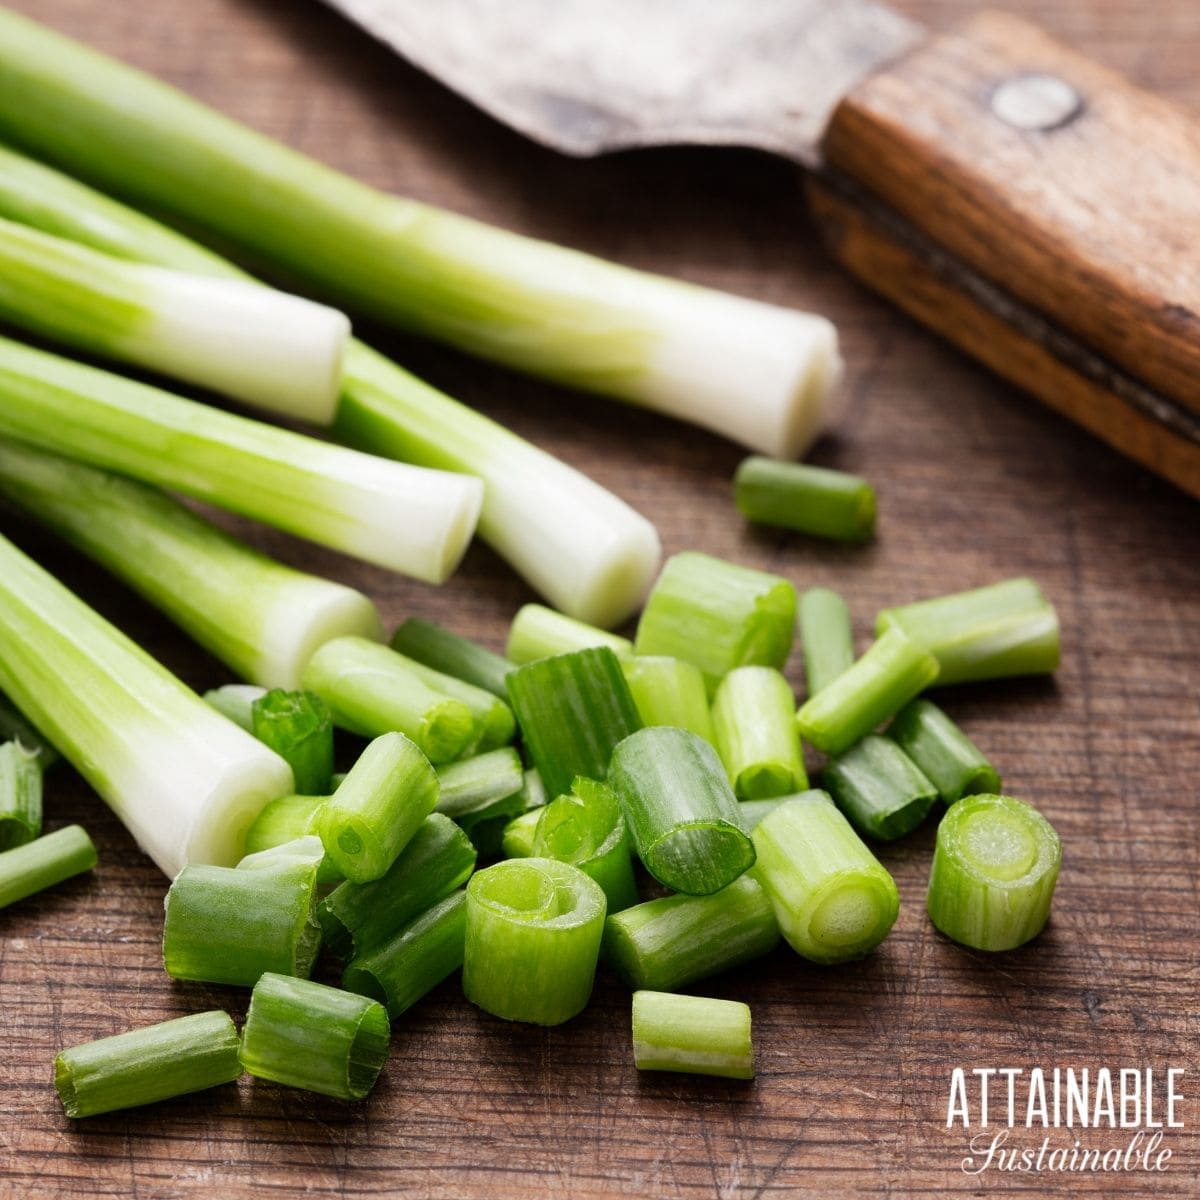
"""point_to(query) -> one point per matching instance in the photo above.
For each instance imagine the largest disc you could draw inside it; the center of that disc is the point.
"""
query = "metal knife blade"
(587, 76)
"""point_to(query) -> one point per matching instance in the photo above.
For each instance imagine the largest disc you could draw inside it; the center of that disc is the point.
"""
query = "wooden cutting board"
(975, 481)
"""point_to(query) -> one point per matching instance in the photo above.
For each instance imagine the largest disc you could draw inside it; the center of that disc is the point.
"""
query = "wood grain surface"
(976, 482)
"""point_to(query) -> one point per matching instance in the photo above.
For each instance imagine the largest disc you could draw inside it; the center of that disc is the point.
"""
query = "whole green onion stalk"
(994, 869)
(533, 937)
(718, 615)
(540, 632)
(993, 632)
(576, 543)
(760, 374)
(692, 1034)
(185, 781)
(266, 348)
(833, 899)
(262, 619)
(410, 519)
(156, 1062)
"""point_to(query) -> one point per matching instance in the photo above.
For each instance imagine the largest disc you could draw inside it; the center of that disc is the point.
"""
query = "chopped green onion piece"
(948, 758)
(236, 701)
(533, 937)
(306, 848)
(882, 791)
(15, 728)
(473, 786)
(586, 828)
(283, 821)
(816, 500)
(153, 1063)
(20, 795)
(680, 810)
(357, 917)
(670, 943)
(307, 1035)
(414, 961)
(230, 924)
(753, 811)
(669, 691)
(753, 371)
(826, 636)
(754, 718)
(299, 728)
(378, 807)
(540, 632)
(519, 833)
(882, 681)
(576, 543)
(40, 864)
(718, 615)
(494, 721)
(833, 899)
(692, 1034)
(262, 619)
(993, 632)
(572, 709)
(533, 791)
(994, 871)
(371, 691)
(185, 781)
(407, 518)
(449, 652)
(266, 348)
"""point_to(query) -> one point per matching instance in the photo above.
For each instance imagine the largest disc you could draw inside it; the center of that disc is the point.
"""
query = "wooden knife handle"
(1042, 213)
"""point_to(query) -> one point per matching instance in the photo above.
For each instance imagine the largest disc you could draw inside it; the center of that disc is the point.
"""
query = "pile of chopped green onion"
(585, 801)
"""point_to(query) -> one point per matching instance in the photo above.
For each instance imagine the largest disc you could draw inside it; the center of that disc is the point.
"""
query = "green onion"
(827, 637)
(572, 709)
(586, 828)
(299, 728)
(185, 781)
(576, 543)
(754, 717)
(15, 728)
(20, 795)
(408, 518)
(1006, 629)
(680, 810)
(449, 652)
(883, 680)
(372, 691)
(752, 812)
(816, 500)
(494, 721)
(230, 924)
(519, 834)
(252, 343)
(236, 702)
(260, 618)
(306, 1035)
(753, 371)
(833, 899)
(156, 1062)
(357, 917)
(692, 1034)
(948, 758)
(414, 961)
(40, 864)
(882, 791)
(533, 937)
(540, 632)
(669, 691)
(670, 943)
(285, 820)
(533, 791)
(378, 807)
(718, 615)
(482, 788)
(994, 871)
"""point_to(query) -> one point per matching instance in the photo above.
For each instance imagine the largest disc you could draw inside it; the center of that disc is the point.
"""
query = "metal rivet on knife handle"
(1036, 102)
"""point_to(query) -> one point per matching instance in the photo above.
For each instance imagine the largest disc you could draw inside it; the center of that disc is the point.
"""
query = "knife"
(1035, 209)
